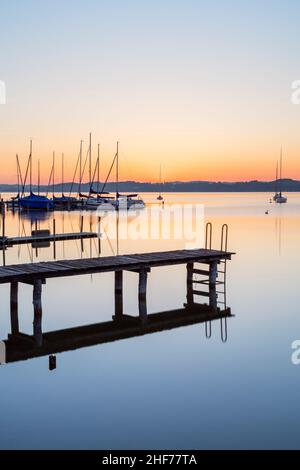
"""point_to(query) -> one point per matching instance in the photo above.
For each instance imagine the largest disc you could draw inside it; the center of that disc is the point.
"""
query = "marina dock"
(36, 275)
(45, 238)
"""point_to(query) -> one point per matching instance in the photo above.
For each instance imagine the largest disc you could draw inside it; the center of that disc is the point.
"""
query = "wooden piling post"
(54, 239)
(118, 294)
(189, 283)
(99, 235)
(213, 273)
(143, 275)
(37, 306)
(52, 362)
(14, 318)
(213, 297)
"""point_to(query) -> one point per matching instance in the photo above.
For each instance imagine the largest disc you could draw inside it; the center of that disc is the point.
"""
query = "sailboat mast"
(280, 182)
(53, 174)
(160, 179)
(80, 166)
(62, 175)
(98, 169)
(90, 160)
(18, 177)
(117, 171)
(38, 176)
(30, 157)
(276, 179)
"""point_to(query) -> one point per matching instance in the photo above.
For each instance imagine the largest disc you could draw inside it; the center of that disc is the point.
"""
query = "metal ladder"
(221, 281)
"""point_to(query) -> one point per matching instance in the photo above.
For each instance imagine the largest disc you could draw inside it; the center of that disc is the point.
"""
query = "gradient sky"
(204, 88)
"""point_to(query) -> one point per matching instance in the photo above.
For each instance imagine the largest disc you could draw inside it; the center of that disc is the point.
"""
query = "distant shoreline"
(286, 185)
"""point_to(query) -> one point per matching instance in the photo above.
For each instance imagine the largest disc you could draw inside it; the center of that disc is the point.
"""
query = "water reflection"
(20, 346)
(178, 389)
(34, 216)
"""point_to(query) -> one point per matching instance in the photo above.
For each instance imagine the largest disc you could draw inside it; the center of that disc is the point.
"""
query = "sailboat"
(279, 198)
(125, 201)
(62, 201)
(159, 197)
(120, 201)
(34, 201)
(276, 184)
(14, 200)
(84, 197)
(101, 198)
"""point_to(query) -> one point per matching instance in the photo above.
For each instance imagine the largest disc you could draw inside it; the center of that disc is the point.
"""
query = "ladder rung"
(203, 272)
(206, 282)
(200, 292)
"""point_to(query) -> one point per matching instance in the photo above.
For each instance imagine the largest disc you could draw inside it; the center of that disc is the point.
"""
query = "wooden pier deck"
(131, 262)
(36, 274)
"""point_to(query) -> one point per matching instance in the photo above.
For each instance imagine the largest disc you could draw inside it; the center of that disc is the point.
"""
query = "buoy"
(52, 362)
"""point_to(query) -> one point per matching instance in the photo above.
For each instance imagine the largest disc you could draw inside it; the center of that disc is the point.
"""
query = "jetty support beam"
(118, 294)
(37, 307)
(189, 283)
(213, 273)
(14, 318)
(143, 275)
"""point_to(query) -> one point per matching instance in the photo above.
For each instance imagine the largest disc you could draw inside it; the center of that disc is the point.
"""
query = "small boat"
(120, 201)
(101, 202)
(63, 201)
(276, 184)
(281, 199)
(160, 197)
(129, 201)
(278, 197)
(36, 202)
(125, 201)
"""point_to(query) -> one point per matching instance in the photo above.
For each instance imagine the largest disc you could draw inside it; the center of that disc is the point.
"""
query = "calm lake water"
(176, 389)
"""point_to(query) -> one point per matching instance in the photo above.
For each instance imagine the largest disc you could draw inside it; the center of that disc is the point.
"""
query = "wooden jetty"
(20, 346)
(36, 274)
(45, 238)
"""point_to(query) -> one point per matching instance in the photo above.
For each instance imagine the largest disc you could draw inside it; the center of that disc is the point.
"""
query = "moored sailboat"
(160, 197)
(278, 197)
(63, 201)
(34, 201)
(125, 201)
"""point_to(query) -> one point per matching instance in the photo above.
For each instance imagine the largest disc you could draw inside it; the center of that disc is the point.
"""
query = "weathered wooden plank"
(110, 263)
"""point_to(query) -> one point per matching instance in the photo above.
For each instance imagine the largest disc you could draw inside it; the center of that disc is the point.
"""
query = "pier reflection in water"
(19, 346)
